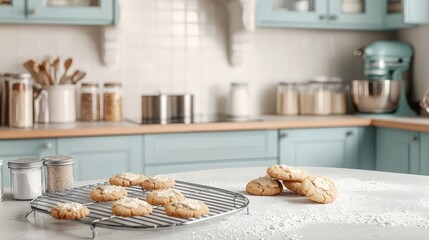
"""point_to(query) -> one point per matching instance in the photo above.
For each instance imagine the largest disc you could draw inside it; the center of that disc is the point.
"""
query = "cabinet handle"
(415, 138)
(322, 17)
(283, 135)
(333, 17)
(349, 133)
(47, 145)
(32, 11)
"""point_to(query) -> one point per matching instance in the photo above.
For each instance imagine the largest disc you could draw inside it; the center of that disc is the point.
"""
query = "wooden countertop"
(85, 129)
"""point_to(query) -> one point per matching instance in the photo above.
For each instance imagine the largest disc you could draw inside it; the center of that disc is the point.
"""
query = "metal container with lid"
(59, 172)
(26, 178)
(163, 108)
(112, 102)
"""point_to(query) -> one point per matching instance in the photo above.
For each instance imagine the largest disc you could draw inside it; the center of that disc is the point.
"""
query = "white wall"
(419, 38)
(180, 46)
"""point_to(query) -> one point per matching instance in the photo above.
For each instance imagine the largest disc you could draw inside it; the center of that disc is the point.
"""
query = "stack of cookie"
(316, 188)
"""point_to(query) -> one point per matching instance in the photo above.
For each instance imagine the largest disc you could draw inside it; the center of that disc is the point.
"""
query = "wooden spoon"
(47, 70)
(55, 66)
(29, 67)
(67, 65)
(79, 76)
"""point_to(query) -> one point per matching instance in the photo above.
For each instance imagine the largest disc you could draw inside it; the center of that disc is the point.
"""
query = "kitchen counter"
(371, 205)
(83, 129)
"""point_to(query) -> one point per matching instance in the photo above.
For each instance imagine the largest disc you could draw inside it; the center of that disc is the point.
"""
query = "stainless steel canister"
(163, 108)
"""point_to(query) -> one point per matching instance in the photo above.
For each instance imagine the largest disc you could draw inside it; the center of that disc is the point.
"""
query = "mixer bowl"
(375, 96)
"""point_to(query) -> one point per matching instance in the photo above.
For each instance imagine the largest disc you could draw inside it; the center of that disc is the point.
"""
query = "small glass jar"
(59, 173)
(20, 100)
(112, 102)
(287, 99)
(89, 102)
(26, 178)
(339, 102)
(1, 180)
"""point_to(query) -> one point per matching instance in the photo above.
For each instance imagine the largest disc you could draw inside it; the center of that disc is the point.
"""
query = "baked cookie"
(164, 196)
(69, 210)
(186, 208)
(106, 193)
(128, 207)
(264, 186)
(319, 189)
(127, 179)
(294, 187)
(158, 182)
(283, 172)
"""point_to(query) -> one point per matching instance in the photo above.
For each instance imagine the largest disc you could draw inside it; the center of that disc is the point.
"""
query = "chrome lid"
(18, 75)
(58, 160)
(25, 163)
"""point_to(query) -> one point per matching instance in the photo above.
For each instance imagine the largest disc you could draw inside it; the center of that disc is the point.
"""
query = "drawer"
(209, 146)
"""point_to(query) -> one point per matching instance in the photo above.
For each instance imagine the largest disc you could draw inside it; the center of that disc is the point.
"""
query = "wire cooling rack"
(220, 202)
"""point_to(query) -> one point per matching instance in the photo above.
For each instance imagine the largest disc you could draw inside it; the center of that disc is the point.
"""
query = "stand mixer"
(384, 61)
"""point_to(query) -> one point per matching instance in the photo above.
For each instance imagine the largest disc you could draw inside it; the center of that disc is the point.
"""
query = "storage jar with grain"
(287, 99)
(90, 102)
(59, 173)
(20, 100)
(112, 102)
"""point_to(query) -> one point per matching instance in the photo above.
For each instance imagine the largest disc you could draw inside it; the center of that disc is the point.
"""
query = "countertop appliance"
(383, 91)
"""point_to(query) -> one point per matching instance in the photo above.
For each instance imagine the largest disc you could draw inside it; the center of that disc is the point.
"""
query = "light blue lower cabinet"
(397, 151)
(327, 147)
(424, 154)
(102, 157)
(166, 153)
(14, 149)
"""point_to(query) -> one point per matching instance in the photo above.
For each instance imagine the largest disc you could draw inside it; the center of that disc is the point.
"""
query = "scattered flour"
(285, 220)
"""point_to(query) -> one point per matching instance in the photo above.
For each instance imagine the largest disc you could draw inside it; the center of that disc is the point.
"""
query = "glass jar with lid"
(112, 102)
(316, 98)
(239, 106)
(287, 98)
(26, 178)
(59, 173)
(89, 102)
(20, 94)
(339, 97)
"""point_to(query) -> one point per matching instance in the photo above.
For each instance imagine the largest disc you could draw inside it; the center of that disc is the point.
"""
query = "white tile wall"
(180, 46)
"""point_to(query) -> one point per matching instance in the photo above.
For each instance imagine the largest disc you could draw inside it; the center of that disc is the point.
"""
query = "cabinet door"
(192, 151)
(328, 147)
(424, 154)
(394, 17)
(12, 10)
(285, 13)
(416, 11)
(102, 157)
(14, 149)
(364, 14)
(397, 151)
(72, 12)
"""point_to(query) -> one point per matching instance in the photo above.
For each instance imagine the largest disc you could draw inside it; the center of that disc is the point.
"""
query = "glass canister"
(287, 99)
(26, 178)
(112, 102)
(316, 98)
(20, 93)
(1, 180)
(339, 93)
(239, 106)
(59, 172)
(89, 102)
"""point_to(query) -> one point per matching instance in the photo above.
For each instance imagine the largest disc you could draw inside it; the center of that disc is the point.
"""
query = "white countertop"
(371, 205)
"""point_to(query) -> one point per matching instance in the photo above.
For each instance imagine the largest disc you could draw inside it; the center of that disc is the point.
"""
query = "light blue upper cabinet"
(416, 11)
(397, 151)
(331, 14)
(327, 147)
(86, 12)
(102, 157)
(13, 11)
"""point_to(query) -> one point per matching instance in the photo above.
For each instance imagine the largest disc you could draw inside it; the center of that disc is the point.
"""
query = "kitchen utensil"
(26, 178)
(220, 201)
(239, 106)
(287, 99)
(47, 69)
(67, 65)
(380, 96)
(386, 60)
(40, 106)
(77, 76)
(62, 103)
(55, 67)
